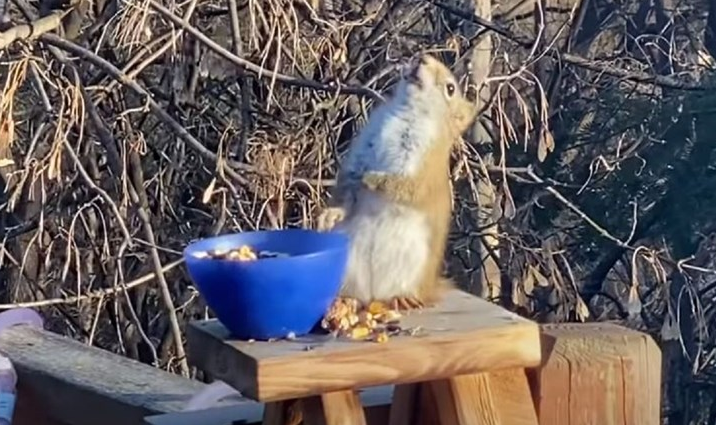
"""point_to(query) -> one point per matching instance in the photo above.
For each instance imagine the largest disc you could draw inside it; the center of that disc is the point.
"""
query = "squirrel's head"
(428, 82)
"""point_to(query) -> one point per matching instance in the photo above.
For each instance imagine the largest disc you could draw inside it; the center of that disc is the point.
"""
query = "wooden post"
(597, 373)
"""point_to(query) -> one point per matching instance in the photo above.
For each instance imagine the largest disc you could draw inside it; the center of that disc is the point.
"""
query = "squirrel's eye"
(450, 89)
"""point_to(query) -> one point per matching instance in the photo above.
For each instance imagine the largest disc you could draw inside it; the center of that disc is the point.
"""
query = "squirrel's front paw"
(329, 218)
(374, 179)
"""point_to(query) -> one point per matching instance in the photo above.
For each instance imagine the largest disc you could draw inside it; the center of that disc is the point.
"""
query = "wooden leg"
(335, 408)
(282, 413)
(497, 398)
(413, 404)
(403, 408)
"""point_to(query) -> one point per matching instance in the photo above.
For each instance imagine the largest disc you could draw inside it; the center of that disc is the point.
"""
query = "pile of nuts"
(376, 322)
(243, 253)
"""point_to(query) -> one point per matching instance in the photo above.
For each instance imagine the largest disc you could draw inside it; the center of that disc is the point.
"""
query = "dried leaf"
(453, 44)
(669, 329)
(209, 191)
(7, 133)
(528, 284)
(53, 168)
(585, 124)
(582, 310)
(509, 209)
(539, 277)
(546, 144)
(704, 58)
(633, 302)
(518, 296)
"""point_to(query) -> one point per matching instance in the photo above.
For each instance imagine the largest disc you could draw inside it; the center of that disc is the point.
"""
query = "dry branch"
(572, 59)
(139, 197)
(33, 29)
(260, 71)
(97, 293)
(173, 37)
(153, 105)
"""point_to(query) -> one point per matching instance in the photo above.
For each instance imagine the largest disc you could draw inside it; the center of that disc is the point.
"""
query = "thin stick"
(576, 60)
(94, 294)
(139, 197)
(108, 199)
(260, 71)
(33, 29)
(153, 105)
(174, 36)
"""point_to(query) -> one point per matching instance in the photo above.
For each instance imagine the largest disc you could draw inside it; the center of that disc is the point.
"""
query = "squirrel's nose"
(410, 68)
(420, 60)
(415, 62)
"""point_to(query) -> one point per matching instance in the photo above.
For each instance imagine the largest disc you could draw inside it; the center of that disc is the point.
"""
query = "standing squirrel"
(393, 194)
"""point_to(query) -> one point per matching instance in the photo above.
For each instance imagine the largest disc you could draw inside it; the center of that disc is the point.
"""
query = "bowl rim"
(346, 247)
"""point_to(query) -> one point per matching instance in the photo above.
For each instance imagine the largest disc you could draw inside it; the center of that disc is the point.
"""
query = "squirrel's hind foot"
(328, 219)
(406, 303)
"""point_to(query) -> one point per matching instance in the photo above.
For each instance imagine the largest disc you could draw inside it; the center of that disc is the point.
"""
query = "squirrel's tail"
(445, 284)
(436, 294)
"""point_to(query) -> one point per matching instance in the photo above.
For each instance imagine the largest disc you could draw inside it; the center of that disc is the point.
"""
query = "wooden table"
(465, 365)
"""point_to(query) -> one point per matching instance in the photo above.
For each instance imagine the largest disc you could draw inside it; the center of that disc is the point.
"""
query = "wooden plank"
(227, 415)
(495, 398)
(512, 397)
(282, 413)
(413, 404)
(462, 335)
(78, 384)
(403, 409)
(334, 408)
(376, 402)
(597, 373)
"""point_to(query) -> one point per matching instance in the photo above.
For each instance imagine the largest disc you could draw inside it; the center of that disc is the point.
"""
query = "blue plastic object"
(270, 297)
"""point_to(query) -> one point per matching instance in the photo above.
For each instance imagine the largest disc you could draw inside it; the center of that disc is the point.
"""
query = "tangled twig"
(97, 293)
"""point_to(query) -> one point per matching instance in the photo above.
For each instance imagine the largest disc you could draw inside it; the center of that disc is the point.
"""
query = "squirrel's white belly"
(389, 247)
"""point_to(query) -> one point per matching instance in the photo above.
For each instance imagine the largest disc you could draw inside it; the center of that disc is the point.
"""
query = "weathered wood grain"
(402, 410)
(376, 403)
(495, 398)
(80, 385)
(333, 408)
(286, 412)
(413, 404)
(597, 373)
(462, 335)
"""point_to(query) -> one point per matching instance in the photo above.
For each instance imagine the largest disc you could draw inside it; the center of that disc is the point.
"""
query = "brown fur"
(430, 191)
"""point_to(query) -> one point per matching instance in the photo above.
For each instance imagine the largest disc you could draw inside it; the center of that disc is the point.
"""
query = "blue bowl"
(270, 297)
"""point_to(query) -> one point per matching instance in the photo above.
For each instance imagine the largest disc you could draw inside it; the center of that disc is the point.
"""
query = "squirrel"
(393, 195)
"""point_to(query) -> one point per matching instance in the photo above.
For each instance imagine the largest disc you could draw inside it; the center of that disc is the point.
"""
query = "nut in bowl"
(243, 253)
(269, 284)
